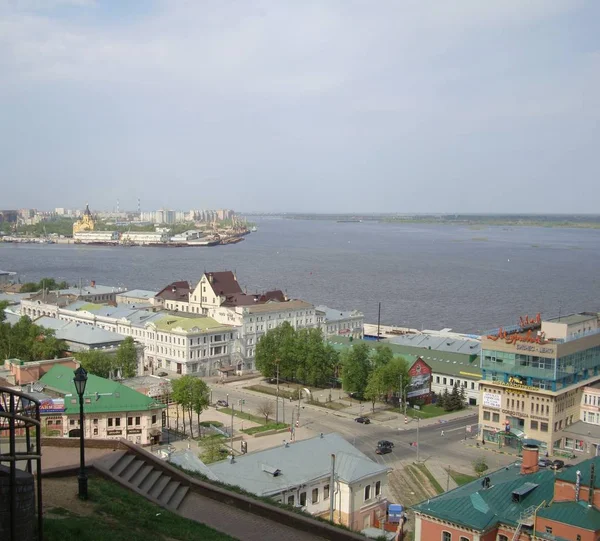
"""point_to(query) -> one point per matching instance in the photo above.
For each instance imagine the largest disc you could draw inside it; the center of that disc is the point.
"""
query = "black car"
(162, 374)
(383, 450)
(558, 464)
(544, 462)
(363, 420)
(385, 443)
(222, 403)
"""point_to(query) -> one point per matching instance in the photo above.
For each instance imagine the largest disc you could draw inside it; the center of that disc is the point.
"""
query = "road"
(448, 448)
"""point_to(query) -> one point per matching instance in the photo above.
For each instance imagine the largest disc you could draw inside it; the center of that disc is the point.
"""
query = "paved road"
(448, 449)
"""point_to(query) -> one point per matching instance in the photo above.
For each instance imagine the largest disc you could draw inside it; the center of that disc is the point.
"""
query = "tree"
(49, 284)
(213, 450)
(96, 362)
(356, 369)
(200, 398)
(445, 399)
(316, 359)
(277, 346)
(28, 342)
(126, 359)
(382, 356)
(376, 386)
(182, 395)
(463, 397)
(265, 408)
(386, 379)
(480, 466)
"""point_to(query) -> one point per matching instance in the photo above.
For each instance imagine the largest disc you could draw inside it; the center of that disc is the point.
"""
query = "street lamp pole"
(80, 381)
(277, 398)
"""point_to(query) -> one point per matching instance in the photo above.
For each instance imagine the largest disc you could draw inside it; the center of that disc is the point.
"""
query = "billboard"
(52, 405)
(420, 379)
(492, 400)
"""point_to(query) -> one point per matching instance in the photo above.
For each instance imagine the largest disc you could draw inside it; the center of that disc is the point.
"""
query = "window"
(437, 379)
(96, 422)
(486, 415)
(153, 419)
(544, 427)
(502, 538)
(110, 421)
(444, 380)
(72, 422)
(315, 496)
(446, 536)
(129, 421)
(367, 492)
(303, 499)
(95, 431)
(117, 421)
(290, 500)
(326, 492)
(463, 538)
(578, 537)
(534, 425)
(548, 529)
(377, 488)
(137, 421)
(496, 417)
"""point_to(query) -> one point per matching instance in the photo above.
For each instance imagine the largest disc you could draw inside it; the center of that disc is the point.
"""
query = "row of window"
(444, 381)
(591, 417)
(591, 399)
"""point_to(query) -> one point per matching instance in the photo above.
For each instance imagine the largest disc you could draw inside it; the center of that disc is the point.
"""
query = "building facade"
(337, 322)
(85, 223)
(533, 379)
(89, 237)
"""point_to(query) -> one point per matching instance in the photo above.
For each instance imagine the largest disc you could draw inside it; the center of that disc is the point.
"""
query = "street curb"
(489, 449)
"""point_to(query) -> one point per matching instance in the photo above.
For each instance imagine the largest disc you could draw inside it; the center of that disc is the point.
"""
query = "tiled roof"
(244, 299)
(223, 283)
(111, 395)
(177, 291)
(299, 463)
(574, 513)
(475, 507)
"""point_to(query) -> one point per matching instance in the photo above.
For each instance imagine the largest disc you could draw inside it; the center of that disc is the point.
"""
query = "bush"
(480, 466)
(208, 424)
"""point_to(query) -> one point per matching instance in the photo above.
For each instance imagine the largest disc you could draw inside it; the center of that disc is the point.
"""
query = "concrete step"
(131, 469)
(120, 465)
(177, 498)
(147, 484)
(159, 486)
(108, 461)
(168, 492)
(141, 475)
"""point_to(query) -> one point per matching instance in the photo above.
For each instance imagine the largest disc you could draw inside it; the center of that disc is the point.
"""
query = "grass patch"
(243, 415)
(121, 515)
(425, 471)
(426, 412)
(329, 405)
(207, 424)
(273, 391)
(461, 478)
(264, 428)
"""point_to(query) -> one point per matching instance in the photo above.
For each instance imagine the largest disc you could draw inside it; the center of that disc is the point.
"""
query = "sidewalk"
(441, 475)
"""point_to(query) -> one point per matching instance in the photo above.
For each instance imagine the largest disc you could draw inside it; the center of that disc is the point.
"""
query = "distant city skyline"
(263, 106)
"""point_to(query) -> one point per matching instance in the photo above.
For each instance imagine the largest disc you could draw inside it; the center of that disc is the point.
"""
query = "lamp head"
(80, 380)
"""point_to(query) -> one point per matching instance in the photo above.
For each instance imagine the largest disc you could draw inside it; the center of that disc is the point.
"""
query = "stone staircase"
(141, 475)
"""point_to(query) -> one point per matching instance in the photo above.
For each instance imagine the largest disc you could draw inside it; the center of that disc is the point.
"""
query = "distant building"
(332, 322)
(518, 504)
(9, 216)
(299, 474)
(112, 410)
(144, 237)
(136, 296)
(85, 223)
(89, 237)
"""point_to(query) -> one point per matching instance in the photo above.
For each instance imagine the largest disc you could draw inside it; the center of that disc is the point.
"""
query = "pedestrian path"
(441, 475)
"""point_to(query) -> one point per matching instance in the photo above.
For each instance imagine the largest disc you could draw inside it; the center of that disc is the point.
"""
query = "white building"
(87, 237)
(299, 474)
(144, 237)
(337, 322)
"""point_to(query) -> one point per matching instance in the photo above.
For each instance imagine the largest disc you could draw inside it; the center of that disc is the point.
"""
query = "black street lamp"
(80, 381)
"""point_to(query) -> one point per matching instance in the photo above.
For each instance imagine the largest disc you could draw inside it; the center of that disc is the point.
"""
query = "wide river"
(425, 276)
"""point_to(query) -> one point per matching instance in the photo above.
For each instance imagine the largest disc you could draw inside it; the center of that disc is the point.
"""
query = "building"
(141, 238)
(175, 296)
(136, 296)
(517, 503)
(95, 237)
(48, 302)
(85, 223)
(7, 277)
(22, 373)
(299, 474)
(533, 378)
(9, 216)
(112, 410)
(344, 323)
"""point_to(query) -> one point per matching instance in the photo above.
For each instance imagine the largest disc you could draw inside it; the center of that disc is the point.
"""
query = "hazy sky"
(331, 105)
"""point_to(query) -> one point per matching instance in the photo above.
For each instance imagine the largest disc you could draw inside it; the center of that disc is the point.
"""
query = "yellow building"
(85, 223)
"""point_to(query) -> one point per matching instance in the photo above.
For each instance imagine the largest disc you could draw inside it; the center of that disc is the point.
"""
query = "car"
(568, 466)
(383, 450)
(385, 443)
(544, 462)
(162, 374)
(222, 403)
(363, 420)
(356, 396)
(558, 464)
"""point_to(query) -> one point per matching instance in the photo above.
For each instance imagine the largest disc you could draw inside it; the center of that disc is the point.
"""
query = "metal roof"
(299, 463)
(438, 343)
(139, 294)
(572, 319)
(574, 513)
(331, 314)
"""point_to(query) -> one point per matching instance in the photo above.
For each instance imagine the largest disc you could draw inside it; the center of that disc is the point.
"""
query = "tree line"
(123, 363)
(50, 284)
(193, 395)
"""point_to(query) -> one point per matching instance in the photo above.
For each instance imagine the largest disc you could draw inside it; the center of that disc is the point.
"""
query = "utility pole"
(277, 398)
(283, 408)
(378, 320)
(232, 408)
(332, 489)
(299, 400)
(418, 447)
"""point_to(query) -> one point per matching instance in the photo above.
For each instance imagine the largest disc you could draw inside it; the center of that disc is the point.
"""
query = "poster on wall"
(492, 400)
(52, 405)
(420, 379)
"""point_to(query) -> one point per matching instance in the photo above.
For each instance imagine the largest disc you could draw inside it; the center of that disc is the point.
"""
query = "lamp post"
(80, 381)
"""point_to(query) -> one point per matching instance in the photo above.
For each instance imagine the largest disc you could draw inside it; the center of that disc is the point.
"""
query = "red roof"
(177, 291)
(244, 299)
(224, 283)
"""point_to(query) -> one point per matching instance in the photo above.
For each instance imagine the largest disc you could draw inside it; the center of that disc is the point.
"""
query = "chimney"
(93, 283)
(531, 456)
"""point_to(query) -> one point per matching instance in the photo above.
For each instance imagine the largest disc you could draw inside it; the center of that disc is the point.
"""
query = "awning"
(531, 441)
(155, 432)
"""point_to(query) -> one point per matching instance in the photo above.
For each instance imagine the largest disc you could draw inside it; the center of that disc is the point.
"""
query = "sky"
(312, 106)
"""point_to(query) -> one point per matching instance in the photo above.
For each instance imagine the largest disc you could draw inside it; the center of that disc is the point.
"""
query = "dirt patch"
(62, 493)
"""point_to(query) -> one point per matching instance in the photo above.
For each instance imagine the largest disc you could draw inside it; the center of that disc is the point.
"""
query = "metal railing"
(20, 415)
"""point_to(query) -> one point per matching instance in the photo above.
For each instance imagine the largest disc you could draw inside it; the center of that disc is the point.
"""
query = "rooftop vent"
(271, 470)
(519, 494)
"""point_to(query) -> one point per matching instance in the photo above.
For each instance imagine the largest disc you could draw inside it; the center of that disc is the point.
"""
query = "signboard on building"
(420, 379)
(492, 400)
(114, 432)
(52, 405)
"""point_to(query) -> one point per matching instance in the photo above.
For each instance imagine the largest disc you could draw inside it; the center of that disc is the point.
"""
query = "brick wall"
(565, 531)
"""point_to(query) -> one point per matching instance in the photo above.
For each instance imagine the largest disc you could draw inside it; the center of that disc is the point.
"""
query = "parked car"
(558, 464)
(356, 396)
(222, 403)
(162, 374)
(383, 450)
(385, 443)
(544, 462)
(363, 420)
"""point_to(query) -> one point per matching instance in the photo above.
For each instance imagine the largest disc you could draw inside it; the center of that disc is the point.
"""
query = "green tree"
(382, 356)
(126, 358)
(445, 399)
(45, 283)
(200, 398)
(480, 466)
(213, 449)
(356, 368)
(96, 362)
(182, 395)
(28, 342)
(278, 346)
(463, 397)
(376, 386)
(316, 359)
(386, 379)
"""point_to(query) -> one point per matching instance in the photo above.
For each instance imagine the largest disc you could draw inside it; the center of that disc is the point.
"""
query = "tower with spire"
(86, 222)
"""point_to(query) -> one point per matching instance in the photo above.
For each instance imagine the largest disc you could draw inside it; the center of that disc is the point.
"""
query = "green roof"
(90, 306)
(577, 514)
(111, 396)
(170, 322)
(474, 507)
(441, 362)
(570, 474)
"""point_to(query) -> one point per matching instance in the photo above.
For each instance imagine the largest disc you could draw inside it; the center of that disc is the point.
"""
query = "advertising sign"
(420, 379)
(52, 405)
(492, 400)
